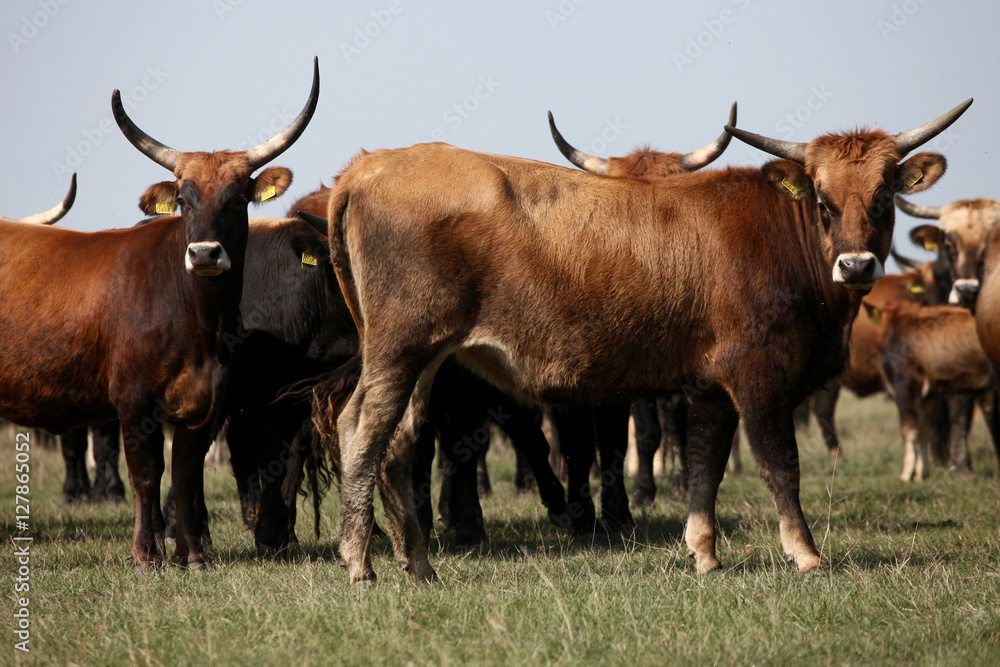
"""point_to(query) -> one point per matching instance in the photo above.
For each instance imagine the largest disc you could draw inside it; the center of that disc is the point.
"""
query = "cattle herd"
(434, 292)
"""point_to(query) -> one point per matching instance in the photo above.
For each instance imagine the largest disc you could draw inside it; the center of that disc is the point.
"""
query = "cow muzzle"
(857, 271)
(964, 292)
(207, 258)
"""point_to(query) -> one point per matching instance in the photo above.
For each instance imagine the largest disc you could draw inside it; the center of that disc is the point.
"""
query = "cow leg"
(922, 468)
(673, 414)
(483, 486)
(463, 436)
(530, 441)
(422, 473)
(648, 436)
(992, 412)
(395, 484)
(366, 425)
(143, 443)
(188, 463)
(524, 478)
(108, 486)
(960, 408)
(576, 437)
(301, 449)
(824, 405)
(771, 432)
(611, 431)
(710, 437)
(241, 459)
(76, 487)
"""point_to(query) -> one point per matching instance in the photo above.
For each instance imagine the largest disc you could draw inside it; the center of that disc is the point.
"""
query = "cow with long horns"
(564, 287)
(137, 323)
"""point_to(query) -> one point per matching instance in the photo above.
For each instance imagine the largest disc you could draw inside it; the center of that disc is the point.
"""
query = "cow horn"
(319, 223)
(704, 156)
(788, 150)
(585, 161)
(260, 155)
(907, 141)
(905, 263)
(56, 212)
(165, 156)
(918, 210)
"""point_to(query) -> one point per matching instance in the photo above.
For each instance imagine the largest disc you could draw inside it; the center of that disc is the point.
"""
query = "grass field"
(915, 579)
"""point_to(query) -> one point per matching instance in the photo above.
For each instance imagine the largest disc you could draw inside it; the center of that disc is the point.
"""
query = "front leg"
(143, 440)
(188, 459)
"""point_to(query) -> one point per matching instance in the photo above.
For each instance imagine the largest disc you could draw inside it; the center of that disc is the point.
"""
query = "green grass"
(915, 578)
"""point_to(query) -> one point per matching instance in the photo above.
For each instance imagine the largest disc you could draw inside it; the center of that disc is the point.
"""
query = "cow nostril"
(214, 253)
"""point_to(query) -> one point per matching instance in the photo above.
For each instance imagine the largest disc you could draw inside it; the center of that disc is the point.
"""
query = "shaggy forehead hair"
(219, 166)
(874, 147)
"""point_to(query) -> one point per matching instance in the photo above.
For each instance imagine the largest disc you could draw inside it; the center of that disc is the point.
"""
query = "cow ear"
(928, 237)
(159, 199)
(873, 313)
(920, 172)
(789, 178)
(271, 183)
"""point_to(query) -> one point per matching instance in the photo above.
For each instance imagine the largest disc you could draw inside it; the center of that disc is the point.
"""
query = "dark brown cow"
(136, 323)
(959, 235)
(564, 287)
(644, 163)
(55, 213)
(928, 352)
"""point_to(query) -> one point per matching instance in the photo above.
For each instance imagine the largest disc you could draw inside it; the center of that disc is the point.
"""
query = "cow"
(988, 316)
(132, 323)
(959, 236)
(928, 352)
(564, 287)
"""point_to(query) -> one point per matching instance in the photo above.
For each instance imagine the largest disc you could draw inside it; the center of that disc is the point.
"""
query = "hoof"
(809, 563)
(200, 566)
(366, 582)
(561, 520)
(147, 567)
(705, 563)
(424, 573)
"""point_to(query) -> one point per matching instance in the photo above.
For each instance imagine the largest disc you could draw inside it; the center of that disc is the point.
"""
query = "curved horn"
(585, 161)
(907, 141)
(905, 263)
(163, 155)
(260, 155)
(788, 150)
(56, 212)
(918, 210)
(319, 223)
(704, 156)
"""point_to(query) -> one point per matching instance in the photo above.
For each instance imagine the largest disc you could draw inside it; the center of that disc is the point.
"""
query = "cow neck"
(835, 305)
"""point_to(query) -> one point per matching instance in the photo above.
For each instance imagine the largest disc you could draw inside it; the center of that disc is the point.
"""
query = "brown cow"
(988, 316)
(928, 352)
(55, 213)
(960, 235)
(644, 163)
(561, 286)
(137, 323)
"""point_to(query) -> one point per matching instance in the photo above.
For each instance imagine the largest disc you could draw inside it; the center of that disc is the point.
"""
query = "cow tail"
(329, 395)
(339, 256)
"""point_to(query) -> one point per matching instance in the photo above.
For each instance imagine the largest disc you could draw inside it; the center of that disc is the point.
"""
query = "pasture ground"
(915, 578)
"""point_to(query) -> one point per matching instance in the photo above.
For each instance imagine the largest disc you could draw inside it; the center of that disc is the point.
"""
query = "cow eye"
(182, 202)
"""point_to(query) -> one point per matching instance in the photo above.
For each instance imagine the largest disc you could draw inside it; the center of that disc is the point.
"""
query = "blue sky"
(213, 74)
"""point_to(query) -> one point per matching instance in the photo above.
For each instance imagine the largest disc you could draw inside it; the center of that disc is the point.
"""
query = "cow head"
(849, 181)
(212, 190)
(645, 163)
(959, 236)
(55, 213)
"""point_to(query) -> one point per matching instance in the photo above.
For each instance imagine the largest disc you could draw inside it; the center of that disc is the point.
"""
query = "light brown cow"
(560, 286)
(56, 213)
(960, 235)
(928, 353)
(644, 163)
(988, 315)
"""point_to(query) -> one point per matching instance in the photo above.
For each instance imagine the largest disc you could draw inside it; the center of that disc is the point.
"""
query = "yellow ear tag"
(875, 315)
(789, 186)
(308, 259)
(916, 289)
(916, 179)
(930, 246)
(268, 193)
(164, 208)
